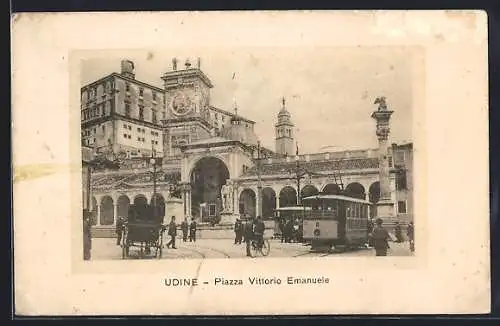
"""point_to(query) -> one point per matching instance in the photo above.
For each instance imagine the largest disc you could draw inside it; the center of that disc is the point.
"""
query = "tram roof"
(292, 208)
(338, 197)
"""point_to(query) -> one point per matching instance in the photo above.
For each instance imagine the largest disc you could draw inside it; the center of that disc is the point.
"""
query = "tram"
(335, 221)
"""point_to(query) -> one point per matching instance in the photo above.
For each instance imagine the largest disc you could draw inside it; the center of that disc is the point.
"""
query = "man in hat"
(192, 231)
(172, 232)
(120, 225)
(380, 238)
(249, 225)
(259, 230)
(238, 231)
(185, 229)
(399, 233)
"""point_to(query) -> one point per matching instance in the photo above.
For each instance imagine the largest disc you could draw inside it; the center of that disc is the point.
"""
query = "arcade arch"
(268, 202)
(123, 203)
(331, 189)
(288, 197)
(107, 211)
(309, 190)
(208, 176)
(355, 190)
(247, 202)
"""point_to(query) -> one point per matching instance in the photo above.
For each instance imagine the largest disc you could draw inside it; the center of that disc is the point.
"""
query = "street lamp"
(259, 182)
(153, 161)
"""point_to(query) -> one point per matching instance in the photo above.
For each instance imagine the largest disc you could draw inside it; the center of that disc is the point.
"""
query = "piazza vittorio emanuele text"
(199, 162)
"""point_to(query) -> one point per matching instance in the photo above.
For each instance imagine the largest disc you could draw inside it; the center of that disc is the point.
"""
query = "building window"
(138, 129)
(127, 110)
(153, 116)
(127, 87)
(400, 156)
(141, 113)
(389, 159)
(103, 128)
(138, 138)
(402, 207)
(141, 91)
(125, 136)
(154, 96)
(401, 183)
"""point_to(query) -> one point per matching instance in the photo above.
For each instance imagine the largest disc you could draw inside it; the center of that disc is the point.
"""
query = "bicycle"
(256, 249)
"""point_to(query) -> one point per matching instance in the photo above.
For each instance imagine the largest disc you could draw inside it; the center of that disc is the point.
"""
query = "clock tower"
(284, 132)
(187, 91)
(187, 103)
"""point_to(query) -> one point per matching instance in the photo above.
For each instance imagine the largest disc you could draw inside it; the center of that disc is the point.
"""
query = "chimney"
(128, 69)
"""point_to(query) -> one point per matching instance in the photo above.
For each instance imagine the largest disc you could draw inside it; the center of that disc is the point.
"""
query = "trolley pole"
(259, 182)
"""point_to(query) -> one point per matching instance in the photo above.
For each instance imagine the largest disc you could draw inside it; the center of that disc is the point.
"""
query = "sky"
(329, 91)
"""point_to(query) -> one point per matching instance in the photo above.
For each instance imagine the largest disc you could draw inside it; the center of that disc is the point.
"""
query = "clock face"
(181, 103)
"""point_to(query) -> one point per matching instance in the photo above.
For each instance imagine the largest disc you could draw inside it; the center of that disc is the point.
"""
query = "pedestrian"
(288, 231)
(87, 236)
(300, 232)
(282, 229)
(238, 231)
(399, 233)
(249, 235)
(411, 236)
(380, 238)
(120, 226)
(185, 229)
(192, 231)
(258, 231)
(172, 232)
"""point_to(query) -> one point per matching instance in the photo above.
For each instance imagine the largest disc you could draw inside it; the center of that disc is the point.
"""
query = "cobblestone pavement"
(106, 249)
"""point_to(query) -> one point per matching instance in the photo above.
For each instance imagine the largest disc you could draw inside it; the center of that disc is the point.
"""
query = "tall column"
(115, 217)
(258, 202)
(98, 214)
(385, 206)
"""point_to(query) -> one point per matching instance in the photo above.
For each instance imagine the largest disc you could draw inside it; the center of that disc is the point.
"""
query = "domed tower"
(240, 130)
(284, 132)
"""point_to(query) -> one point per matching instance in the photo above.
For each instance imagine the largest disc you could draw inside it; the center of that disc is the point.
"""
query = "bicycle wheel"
(254, 250)
(266, 247)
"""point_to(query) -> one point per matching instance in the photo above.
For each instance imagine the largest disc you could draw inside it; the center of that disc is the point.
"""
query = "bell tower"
(284, 132)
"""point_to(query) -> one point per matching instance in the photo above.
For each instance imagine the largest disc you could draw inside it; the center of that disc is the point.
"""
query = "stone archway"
(141, 206)
(309, 190)
(107, 211)
(374, 197)
(355, 190)
(123, 203)
(288, 197)
(331, 189)
(268, 202)
(247, 202)
(208, 176)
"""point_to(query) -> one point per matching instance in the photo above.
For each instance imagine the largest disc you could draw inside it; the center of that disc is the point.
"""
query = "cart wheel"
(266, 247)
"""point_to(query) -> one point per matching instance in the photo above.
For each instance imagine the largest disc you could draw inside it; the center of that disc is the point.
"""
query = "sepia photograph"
(243, 155)
(250, 163)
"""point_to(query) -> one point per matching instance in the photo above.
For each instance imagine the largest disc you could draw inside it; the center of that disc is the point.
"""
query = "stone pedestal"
(227, 218)
(385, 209)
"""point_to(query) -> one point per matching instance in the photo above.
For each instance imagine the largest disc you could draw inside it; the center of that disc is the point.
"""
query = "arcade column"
(385, 206)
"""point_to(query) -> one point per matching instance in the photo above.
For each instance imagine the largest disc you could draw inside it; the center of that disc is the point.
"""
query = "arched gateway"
(207, 178)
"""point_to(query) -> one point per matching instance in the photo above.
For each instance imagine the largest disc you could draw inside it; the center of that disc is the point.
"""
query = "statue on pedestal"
(227, 198)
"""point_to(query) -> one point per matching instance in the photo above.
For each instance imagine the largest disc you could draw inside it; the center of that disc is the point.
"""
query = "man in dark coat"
(172, 232)
(185, 229)
(238, 231)
(380, 238)
(87, 236)
(259, 230)
(249, 235)
(370, 227)
(120, 225)
(192, 231)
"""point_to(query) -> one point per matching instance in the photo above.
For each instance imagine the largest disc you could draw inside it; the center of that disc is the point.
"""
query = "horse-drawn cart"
(144, 230)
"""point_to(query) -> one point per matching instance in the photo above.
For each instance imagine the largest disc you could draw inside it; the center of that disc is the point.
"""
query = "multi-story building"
(123, 112)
